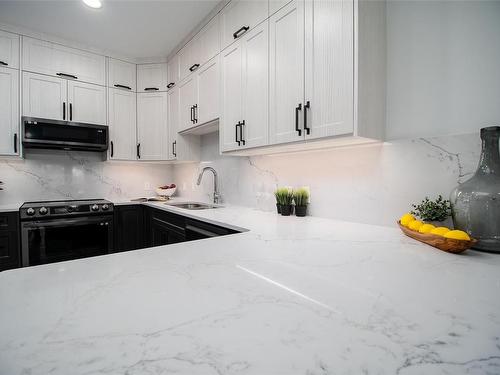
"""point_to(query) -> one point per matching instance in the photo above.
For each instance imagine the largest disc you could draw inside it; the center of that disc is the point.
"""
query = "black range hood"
(63, 135)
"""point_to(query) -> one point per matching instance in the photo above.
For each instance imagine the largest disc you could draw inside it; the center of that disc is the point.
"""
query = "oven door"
(48, 241)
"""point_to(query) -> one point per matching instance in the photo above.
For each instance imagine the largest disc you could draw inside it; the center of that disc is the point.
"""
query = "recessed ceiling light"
(93, 3)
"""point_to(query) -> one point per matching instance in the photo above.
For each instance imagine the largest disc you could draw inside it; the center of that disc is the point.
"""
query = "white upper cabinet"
(187, 103)
(87, 103)
(189, 58)
(122, 124)
(245, 86)
(45, 96)
(329, 68)
(287, 73)
(152, 77)
(122, 75)
(173, 72)
(173, 122)
(57, 60)
(208, 41)
(275, 5)
(208, 92)
(152, 130)
(9, 111)
(9, 50)
(240, 16)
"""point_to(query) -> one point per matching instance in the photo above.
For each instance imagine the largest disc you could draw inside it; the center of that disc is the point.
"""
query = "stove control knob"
(105, 207)
(95, 207)
(43, 211)
(30, 211)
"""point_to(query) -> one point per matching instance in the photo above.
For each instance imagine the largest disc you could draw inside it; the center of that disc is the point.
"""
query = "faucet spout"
(216, 188)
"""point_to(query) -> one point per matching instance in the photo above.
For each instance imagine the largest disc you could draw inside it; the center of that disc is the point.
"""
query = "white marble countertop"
(289, 296)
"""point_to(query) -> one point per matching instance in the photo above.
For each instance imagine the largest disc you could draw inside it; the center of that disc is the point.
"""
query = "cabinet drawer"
(9, 50)
(122, 75)
(240, 16)
(8, 221)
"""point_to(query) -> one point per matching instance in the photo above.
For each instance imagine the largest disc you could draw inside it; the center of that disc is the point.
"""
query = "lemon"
(440, 231)
(415, 224)
(406, 218)
(426, 228)
(457, 235)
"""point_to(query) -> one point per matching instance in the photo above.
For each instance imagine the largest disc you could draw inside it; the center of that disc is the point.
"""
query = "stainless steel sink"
(192, 205)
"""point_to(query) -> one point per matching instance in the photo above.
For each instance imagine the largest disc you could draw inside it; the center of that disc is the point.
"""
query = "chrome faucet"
(216, 190)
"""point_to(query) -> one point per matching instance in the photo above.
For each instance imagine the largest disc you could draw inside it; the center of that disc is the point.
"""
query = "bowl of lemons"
(442, 238)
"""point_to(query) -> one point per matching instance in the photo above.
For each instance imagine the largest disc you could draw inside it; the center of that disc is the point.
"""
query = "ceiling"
(131, 28)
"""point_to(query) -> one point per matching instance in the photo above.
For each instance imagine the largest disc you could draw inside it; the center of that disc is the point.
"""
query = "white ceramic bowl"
(166, 192)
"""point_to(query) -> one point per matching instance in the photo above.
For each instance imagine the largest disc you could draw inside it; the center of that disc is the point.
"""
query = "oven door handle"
(67, 222)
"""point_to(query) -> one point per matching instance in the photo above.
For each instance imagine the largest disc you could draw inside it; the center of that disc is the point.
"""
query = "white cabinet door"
(286, 73)
(9, 50)
(9, 111)
(87, 103)
(122, 124)
(152, 126)
(122, 75)
(255, 129)
(173, 72)
(189, 58)
(44, 96)
(208, 41)
(240, 16)
(173, 122)
(152, 77)
(54, 59)
(329, 70)
(208, 92)
(187, 103)
(275, 5)
(231, 100)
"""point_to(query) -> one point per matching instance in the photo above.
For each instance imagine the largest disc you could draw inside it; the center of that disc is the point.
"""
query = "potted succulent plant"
(286, 198)
(301, 199)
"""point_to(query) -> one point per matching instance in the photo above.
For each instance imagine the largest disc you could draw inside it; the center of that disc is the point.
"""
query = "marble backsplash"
(50, 175)
(370, 184)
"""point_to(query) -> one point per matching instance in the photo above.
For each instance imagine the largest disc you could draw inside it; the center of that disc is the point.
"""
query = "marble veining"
(289, 296)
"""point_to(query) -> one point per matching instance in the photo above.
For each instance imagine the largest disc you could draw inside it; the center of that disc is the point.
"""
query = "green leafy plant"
(284, 196)
(301, 197)
(437, 210)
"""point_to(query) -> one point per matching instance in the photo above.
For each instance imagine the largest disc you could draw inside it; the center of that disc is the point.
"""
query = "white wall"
(443, 67)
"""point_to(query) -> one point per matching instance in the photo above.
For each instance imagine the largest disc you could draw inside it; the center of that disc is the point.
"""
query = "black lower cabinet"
(9, 241)
(129, 227)
(164, 228)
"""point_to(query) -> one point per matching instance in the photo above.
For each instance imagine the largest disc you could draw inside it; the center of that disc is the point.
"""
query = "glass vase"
(475, 204)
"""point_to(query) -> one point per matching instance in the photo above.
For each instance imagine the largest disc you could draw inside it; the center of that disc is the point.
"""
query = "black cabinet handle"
(170, 85)
(3, 63)
(174, 148)
(192, 114)
(123, 87)
(64, 110)
(151, 89)
(236, 133)
(70, 111)
(195, 112)
(66, 75)
(241, 132)
(194, 67)
(15, 143)
(138, 151)
(297, 109)
(306, 107)
(237, 34)
(112, 149)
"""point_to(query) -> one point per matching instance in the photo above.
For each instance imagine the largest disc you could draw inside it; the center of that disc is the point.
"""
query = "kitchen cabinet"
(44, 96)
(189, 58)
(208, 41)
(60, 99)
(9, 111)
(86, 103)
(164, 228)
(198, 230)
(129, 227)
(9, 241)
(152, 126)
(275, 5)
(187, 103)
(152, 77)
(9, 50)
(239, 17)
(57, 60)
(286, 72)
(122, 75)
(173, 72)
(122, 124)
(208, 92)
(245, 102)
